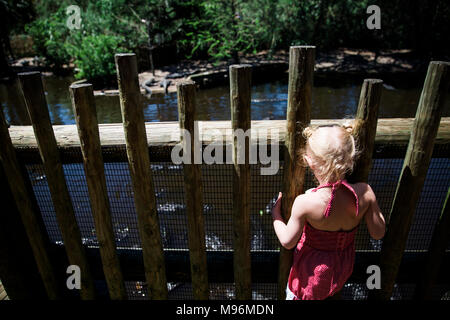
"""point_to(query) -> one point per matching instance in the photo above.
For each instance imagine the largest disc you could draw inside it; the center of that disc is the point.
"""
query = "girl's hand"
(276, 209)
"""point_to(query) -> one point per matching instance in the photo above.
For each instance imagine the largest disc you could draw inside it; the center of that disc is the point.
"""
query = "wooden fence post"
(436, 252)
(86, 117)
(240, 97)
(366, 128)
(415, 167)
(24, 205)
(33, 92)
(141, 174)
(193, 192)
(301, 72)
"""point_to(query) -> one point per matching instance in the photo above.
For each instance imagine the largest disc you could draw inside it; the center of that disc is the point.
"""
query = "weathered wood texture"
(24, 204)
(415, 167)
(301, 70)
(389, 131)
(193, 190)
(141, 175)
(36, 104)
(3, 294)
(86, 118)
(435, 254)
(365, 128)
(240, 97)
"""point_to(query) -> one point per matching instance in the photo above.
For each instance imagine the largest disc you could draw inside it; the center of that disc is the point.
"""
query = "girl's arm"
(289, 233)
(374, 218)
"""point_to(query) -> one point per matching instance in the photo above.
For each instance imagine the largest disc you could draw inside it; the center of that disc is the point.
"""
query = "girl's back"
(342, 215)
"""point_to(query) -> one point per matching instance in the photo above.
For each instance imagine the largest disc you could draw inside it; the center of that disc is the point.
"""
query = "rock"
(388, 87)
(165, 84)
(175, 75)
(146, 85)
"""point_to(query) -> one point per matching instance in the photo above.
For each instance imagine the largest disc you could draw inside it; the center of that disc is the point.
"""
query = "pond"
(330, 101)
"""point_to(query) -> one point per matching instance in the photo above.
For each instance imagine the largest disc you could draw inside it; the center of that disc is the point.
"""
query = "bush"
(90, 48)
(49, 38)
(94, 57)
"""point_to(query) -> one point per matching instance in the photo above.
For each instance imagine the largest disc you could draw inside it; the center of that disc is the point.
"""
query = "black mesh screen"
(268, 291)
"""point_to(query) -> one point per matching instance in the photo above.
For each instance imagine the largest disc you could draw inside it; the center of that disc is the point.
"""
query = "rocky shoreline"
(343, 61)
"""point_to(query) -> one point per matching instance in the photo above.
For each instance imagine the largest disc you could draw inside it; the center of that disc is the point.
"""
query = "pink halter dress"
(323, 260)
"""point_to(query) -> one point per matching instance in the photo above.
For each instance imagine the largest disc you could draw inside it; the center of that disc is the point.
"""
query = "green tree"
(14, 13)
(223, 30)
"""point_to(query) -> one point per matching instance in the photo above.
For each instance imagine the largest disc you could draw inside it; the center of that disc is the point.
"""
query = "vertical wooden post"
(193, 192)
(240, 97)
(415, 166)
(366, 128)
(86, 117)
(436, 252)
(301, 72)
(33, 92)
(24, 205)
(141, 174)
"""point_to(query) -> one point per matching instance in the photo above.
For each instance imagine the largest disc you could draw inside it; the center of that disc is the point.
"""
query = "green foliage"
(14, 14)
(90, 48)
(94, 56)
(223, 31)
(49, 38)
(220, 29)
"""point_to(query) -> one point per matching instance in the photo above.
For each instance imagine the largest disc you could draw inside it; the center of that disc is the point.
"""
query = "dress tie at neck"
(334, 186)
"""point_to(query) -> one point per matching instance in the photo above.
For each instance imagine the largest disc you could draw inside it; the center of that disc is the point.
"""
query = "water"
(269, 100)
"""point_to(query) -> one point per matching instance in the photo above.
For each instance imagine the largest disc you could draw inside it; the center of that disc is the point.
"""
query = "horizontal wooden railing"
(389, 131)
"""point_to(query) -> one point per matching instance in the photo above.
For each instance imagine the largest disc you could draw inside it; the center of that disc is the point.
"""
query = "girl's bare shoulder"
(304, 202)
(308, 204)
(363, 190)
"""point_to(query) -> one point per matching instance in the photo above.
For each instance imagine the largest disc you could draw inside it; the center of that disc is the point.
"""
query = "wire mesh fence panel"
(77, 185)
(137, 290)
(217, 180)
(123, 213)
(264, 192)
(430, 204)
(41, 190)
(171, 208)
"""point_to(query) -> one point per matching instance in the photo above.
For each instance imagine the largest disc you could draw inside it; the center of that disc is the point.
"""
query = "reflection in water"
(268, 102)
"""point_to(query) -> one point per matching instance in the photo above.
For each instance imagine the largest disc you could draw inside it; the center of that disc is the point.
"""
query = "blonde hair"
(332, 149)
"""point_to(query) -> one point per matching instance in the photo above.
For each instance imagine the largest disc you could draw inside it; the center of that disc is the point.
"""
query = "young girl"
(324, 220)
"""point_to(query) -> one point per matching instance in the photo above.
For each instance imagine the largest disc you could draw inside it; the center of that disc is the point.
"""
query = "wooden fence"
(139, 138)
